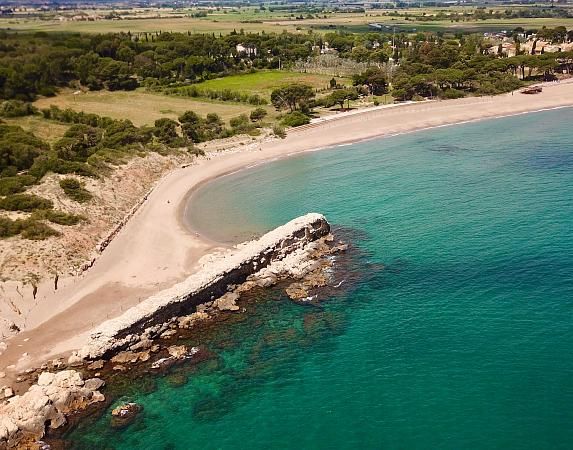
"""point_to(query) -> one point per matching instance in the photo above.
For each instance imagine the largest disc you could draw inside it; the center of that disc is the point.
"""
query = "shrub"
(376, 102)
(14, 185)
(279, 131)
(258, 114)
(295, 119)
(9, 227)
(25, 202)
(16, 108)
(37, 231)
(74, 189)
(59, 217)
(452, 94)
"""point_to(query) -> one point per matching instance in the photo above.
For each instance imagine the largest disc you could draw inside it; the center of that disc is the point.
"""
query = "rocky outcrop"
(284, 249)
(45, 405)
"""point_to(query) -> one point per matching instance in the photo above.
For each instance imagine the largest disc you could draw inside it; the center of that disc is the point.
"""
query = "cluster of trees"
(38, 64)
(481, 13)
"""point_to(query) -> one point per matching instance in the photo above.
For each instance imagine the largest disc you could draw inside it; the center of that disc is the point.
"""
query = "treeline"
(37, 64)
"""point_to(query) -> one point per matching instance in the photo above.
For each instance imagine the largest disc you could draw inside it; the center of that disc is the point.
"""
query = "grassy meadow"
(141, 107)
(264, 82)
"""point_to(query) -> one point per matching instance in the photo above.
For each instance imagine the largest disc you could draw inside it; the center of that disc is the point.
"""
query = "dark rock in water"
(125, 414)
(177, 379)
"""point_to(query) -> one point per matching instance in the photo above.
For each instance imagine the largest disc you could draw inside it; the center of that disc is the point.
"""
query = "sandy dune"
(155, 249)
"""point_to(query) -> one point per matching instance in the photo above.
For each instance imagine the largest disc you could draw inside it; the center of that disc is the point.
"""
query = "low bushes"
(25, 203)
(225, 95)
(295, 119)
(279, 131)
(16, 108)
(15, 184)
(59, 217)
(74, 189)
(27, 228)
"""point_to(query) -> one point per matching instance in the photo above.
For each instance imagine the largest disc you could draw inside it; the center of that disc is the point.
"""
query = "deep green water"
(462, 340)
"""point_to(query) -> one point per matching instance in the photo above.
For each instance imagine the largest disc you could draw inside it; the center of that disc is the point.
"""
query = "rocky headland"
(146, 335)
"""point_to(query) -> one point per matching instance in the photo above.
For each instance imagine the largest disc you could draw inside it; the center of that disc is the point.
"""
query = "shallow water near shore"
(457, 335)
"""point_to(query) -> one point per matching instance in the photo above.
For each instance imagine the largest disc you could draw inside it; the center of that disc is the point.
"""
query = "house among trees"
(246, 49)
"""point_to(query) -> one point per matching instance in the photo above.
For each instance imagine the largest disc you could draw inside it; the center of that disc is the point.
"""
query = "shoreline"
(157, 248)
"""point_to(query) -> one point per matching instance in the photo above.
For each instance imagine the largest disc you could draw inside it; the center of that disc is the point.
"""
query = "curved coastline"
(186, 207)
(157, 248)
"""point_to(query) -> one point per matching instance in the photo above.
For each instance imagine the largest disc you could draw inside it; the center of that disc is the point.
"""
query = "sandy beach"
(157, 249)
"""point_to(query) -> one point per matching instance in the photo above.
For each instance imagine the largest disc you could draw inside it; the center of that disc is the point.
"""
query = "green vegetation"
(295, 119)
(75, 190)
(16, 108)
(279, 131)
(257, 114)
(27, 228)
(58, 217)
(25, 202)
(292, 97)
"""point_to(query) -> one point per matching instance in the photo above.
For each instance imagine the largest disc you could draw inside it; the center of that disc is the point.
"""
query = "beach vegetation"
(295, 119)
(25, 203)
(292, 97)
(339, 96)
(279, 131)
(258, 114)
(57, 217)
(74, 189)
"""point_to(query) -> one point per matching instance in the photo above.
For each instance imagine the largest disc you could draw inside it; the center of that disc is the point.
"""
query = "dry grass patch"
(141, 107)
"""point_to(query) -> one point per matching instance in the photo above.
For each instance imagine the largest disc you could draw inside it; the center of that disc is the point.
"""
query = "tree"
(258, 114)
(341, 95)
(191, 124)
(375, 79)
(166, 131)
(293, 96)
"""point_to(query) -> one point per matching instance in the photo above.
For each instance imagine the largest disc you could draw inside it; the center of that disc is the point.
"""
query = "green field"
(264, 82)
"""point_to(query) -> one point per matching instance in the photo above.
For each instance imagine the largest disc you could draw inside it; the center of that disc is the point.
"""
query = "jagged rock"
(125, 357)
(96, 365)
(46, 378)
(190, 320)
(98, 397)
(75, 360)
(8, 392)
(163, 363)
(124, 414)
(177, 351)
(44, 404)
(227, 302)
(167, 334)
(119, 368)
(297, 291)
(93, 384)
(155, 348)
(143, 344)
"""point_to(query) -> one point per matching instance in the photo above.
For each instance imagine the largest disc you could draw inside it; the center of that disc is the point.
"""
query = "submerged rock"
(125, 414)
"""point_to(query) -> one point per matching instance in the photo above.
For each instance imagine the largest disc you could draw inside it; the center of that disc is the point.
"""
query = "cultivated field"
(141, 107)
(251, 19)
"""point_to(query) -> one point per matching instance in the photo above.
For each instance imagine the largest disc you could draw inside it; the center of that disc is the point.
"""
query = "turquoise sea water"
(457, 335)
